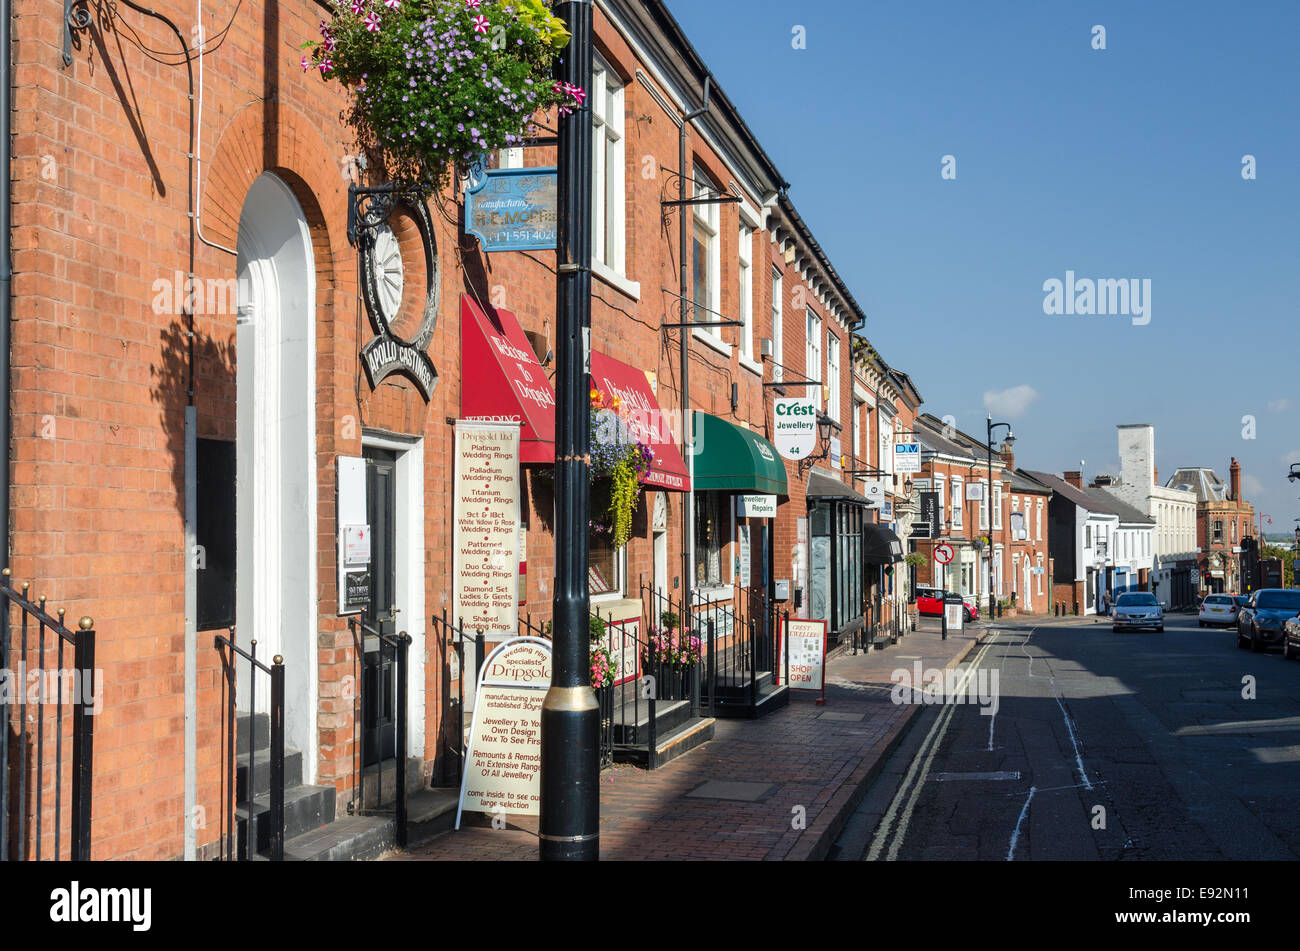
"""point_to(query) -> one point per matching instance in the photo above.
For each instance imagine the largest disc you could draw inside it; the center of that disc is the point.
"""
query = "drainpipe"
(6, 274)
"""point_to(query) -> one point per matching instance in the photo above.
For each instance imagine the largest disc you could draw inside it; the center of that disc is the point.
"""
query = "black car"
(1261, 620)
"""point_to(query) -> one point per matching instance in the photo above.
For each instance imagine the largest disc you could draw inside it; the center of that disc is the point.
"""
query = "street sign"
(944, 554)
(794, 432)
(907, 457)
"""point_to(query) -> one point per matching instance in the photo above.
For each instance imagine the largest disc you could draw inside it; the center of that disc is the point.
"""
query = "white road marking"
(929, 747)
(1024, 811)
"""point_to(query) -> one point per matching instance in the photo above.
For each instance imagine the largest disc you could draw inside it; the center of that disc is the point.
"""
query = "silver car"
(1137, 609)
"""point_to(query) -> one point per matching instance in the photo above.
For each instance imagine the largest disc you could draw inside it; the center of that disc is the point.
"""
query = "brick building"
(1223, 520)
(189, 390)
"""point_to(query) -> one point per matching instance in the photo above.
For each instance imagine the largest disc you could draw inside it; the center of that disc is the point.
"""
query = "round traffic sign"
(944, 554)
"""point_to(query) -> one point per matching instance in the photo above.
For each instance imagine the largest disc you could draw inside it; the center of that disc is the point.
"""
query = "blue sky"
(1116, 163)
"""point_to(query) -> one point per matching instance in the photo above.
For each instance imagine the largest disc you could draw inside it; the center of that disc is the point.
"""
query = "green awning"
(732, 459)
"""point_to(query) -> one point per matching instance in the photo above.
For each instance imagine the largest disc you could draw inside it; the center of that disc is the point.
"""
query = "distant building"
(1173, 509)
(1223, 520)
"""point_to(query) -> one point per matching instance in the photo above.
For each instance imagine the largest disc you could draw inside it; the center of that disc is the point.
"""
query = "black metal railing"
(34, 657)
(372, 702)
(267, 835)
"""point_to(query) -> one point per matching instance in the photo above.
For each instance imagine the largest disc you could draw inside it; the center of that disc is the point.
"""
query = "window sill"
(713, 592)
(615, 280)
(607, 596)
(751, 365)
(711, 340)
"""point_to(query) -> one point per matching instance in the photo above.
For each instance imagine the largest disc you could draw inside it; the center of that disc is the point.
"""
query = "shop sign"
(974, 491)
(504, 758)
(514, 209)
(756, 506)
(486, 512)
(742, 556)
(837, 453)
(794, 432)
(874, 490)
(928, 525)
(806, 643)
(907, 457)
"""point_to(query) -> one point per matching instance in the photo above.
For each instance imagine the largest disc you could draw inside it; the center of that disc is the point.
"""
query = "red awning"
(646, 420)
(501, 379)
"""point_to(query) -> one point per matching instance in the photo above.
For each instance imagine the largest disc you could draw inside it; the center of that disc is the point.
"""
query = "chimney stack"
(1156, 474)
(1008, 458)
(1234, 478)
(1075, 478)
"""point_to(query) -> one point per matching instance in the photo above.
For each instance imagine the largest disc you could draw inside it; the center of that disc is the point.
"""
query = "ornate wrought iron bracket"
(76, 20)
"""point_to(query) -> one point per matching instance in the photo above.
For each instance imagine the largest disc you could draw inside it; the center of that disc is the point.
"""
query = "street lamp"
(1294, 474)
(1009, 441)
(825, 425)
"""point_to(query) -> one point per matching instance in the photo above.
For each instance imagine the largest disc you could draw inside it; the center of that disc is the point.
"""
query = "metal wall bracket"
(76, 20)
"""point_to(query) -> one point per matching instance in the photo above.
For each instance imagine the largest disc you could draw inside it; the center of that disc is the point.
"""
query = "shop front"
(837, 575)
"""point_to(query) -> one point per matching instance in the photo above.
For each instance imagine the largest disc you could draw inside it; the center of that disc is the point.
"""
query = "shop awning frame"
(882, 546)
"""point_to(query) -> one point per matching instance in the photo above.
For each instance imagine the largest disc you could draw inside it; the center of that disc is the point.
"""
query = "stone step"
(632, 720)
(305, 808)
(695, 731)
(261, 732)
(735, 703)
(430, 812)
(262, 773)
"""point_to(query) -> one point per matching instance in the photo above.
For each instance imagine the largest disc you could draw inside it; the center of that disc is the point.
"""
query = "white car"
(1137, 609)
(1219, 609)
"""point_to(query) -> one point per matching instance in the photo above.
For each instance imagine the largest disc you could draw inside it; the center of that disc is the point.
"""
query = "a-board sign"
(504, 758)
(806, 643)
(955, 613)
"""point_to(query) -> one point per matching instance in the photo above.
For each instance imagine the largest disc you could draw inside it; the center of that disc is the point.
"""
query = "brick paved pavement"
(823, 764)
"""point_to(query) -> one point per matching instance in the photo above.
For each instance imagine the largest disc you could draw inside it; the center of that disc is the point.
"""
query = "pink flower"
(305, 64)
(372, 21)
(473, 4)
(358, 6)
(480, 24)
(326, 65)
(391, 4)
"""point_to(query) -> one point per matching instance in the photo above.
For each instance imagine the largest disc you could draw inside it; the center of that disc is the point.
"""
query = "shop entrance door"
(378, 667)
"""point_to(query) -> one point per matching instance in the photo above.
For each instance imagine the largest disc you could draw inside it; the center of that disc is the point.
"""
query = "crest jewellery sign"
(515, 209)
(795, 430)
(907, 457)
(806, 643)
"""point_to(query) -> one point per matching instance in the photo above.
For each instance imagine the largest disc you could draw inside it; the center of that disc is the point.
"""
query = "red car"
(929, 601)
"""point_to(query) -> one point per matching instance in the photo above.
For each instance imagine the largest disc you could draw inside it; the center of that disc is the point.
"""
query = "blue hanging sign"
(514, 209)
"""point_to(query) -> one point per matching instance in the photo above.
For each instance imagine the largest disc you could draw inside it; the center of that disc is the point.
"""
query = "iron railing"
(26, 770)
(266, 835)
(373, 695)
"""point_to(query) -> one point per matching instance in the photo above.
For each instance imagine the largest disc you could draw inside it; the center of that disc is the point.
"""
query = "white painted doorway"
(660, 539)
(275, 497)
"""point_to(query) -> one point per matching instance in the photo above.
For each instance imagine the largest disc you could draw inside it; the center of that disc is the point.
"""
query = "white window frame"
(959, 502)
(997, 505)
(609, 192)
(619, 588)
(857, 428)
(778, 323)
(938, 488)
(984, 506)
(1040, 577)
(707, 217)
(833, 375)
(813, 352)
(745, 285)
(1039, 521)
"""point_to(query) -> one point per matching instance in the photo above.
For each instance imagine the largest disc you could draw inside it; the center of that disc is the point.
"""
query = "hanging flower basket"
(436, 83)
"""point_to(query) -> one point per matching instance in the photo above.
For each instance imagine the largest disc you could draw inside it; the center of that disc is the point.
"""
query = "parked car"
(1135, 610)
(1260, 622)
(929, 602)
(1291, 638)
(1219, 609)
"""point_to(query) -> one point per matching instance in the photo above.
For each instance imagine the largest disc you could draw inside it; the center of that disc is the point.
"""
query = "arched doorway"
(276, 455)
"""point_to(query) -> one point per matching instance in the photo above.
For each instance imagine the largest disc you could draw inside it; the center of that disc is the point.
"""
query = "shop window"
(606, 566)
(215, 534)
(710, 537)
(833, 375)
(958, 502)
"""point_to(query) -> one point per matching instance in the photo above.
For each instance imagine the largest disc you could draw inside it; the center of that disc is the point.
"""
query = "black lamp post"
(569, 827)
(1294, 474)
(1010, 440)
(825, 425)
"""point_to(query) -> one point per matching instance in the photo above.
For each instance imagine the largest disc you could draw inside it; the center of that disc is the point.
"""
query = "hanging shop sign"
(794, 432)
(383, 280)
(806, 643)
(974, 491)
(928, 524)
(756, 506)
(514, 209)
(486, 511)
(907, 457)
(874, 490)
(503, 761)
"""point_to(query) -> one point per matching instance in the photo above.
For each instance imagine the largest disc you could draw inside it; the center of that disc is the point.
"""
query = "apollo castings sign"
(795, 431)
